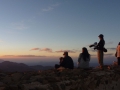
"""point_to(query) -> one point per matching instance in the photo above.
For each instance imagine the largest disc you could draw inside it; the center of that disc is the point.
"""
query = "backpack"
(104, 50)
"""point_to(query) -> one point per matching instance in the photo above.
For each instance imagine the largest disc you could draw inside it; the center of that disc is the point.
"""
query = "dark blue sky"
(47, 28)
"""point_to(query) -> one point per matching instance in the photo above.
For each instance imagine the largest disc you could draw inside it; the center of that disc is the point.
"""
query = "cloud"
(93, 55)
(42, 49)
(35, 49)
(109, 54)
(22, 56)
(30, 56)
(51, 7)
(111, 48)
(55, 5)
(70, 51)
(76, 50)
(48, 9)
(46, 49)
(105, 54)
(111, 42)
(51, 51)
(19, 26)
(92, 50)
(8, 56)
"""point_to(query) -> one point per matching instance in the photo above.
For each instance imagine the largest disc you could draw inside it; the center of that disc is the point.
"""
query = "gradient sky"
(47, 28)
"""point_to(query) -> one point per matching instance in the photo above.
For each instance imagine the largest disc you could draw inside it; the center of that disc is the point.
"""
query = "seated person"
(84, 59)
(67, 61)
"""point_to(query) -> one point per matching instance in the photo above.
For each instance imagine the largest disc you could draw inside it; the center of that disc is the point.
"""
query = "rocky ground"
(63, 79)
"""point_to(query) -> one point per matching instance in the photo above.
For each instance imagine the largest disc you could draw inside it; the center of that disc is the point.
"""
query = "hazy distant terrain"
(1, 60)
(35, 65)
(8, 66)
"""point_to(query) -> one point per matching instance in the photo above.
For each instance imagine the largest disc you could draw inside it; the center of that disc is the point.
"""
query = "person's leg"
(57, 66)
(102, 54)
(118, 60)
(100, 58)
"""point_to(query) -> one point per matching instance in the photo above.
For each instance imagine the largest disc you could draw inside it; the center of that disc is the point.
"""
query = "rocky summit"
(107, 78)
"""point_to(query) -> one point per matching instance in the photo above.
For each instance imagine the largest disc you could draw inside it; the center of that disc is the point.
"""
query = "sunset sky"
(44, 29)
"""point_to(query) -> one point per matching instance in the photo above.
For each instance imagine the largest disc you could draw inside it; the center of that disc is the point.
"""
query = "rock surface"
(63, 79)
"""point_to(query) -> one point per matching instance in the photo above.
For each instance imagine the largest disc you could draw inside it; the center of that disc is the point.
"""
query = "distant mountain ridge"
(8, 66)
(1, 60)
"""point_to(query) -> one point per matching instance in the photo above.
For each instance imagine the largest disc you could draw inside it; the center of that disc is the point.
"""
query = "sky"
(41, 30)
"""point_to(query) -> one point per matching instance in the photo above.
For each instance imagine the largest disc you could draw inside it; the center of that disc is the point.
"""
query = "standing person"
(67, 61)
(84, 59)
(100, 48)
(118, 53)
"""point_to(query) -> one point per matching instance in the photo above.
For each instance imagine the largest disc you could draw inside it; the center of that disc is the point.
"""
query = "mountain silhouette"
(8, 66)
(1, 60)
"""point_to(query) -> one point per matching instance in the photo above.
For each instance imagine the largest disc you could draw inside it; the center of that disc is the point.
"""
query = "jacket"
(67, 62)
(82, 63)
(100, 45)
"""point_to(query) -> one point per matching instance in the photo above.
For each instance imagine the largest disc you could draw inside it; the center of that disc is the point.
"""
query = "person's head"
(101, 36)
(61, 59)
(84, 50)
(85, 53)
(119, 43)
(65, 53)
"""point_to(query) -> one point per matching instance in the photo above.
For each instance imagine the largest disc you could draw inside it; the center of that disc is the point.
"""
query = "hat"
(101, 35)
(65, 53)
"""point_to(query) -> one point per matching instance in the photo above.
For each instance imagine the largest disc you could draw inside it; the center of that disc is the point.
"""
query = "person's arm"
(89, 57)
(116, 48)
(116, 51)
(100, 45)
(63, 62)
(79, 58)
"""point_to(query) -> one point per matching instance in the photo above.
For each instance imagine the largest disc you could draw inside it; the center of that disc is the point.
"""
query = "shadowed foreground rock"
(77, 79)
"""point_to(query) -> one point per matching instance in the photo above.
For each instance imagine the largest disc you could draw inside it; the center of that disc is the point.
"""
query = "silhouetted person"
(100, 48)
(61, 60)
(118, 53)
(58, 65)
(84, 59)
(67, 61)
